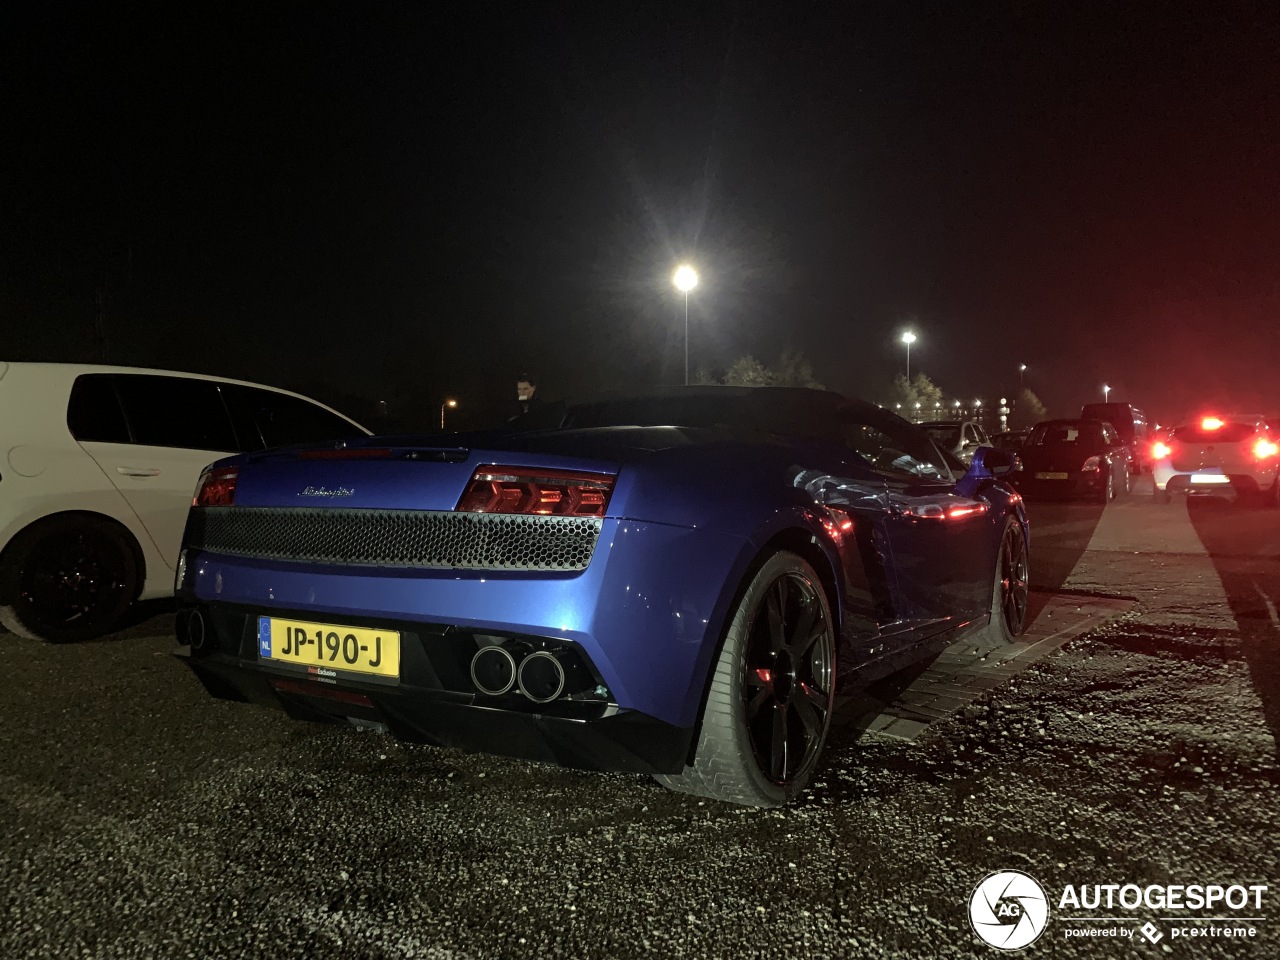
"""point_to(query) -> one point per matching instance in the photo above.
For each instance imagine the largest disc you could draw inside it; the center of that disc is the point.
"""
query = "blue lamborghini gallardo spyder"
(672, 584)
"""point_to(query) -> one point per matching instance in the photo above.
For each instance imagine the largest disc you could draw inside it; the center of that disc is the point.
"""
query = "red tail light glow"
(532, 490)
(1211, 423)
(217, 488)
(945, 511)
(1265, 448)
(1160, 450)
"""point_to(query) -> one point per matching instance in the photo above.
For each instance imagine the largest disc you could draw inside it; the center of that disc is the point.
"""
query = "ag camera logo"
(1008, 910)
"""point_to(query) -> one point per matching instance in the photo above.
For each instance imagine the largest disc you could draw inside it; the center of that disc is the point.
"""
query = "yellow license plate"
(326, 646)
(1051, 476)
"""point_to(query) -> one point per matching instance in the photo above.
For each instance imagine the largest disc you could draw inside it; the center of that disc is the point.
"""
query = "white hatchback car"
(1225, 456)
(98, 466)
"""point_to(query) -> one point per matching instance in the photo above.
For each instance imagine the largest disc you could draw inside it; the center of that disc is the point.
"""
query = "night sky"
(392, 201)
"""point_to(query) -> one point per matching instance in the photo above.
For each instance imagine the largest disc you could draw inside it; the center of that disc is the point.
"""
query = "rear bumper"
(1076, 485)
(622, 741)
(647, 613)
(1232, 485)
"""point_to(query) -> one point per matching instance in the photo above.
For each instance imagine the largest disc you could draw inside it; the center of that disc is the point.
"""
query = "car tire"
(1271, 497)
(768, 707)
(1011, 587)
(67, 579)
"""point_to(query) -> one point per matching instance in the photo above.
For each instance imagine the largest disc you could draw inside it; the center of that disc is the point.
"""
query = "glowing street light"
(1022, 368)
(908, 338)
(1105, 391)
(685, 279)
(448, 403)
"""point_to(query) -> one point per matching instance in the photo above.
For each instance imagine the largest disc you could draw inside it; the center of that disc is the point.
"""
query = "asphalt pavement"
(144, 819)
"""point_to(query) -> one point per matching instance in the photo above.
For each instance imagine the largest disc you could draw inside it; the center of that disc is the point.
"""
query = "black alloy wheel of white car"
(67, 579)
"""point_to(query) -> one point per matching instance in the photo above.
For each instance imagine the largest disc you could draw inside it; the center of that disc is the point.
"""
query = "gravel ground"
(143, 819)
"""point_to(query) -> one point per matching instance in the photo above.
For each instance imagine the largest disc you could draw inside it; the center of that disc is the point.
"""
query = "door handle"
(138, 471)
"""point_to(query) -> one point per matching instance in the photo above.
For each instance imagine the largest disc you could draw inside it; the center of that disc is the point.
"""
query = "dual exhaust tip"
(192, 630)
(541, 675)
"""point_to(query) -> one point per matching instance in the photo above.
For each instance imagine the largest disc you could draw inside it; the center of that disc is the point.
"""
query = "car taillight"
(1160, 450)
(531, 490)
(1265, 448)
(1092, 465)
(217, 488)
(1211, 423)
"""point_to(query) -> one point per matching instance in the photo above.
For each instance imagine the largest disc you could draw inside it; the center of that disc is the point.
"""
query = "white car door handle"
(138, 471)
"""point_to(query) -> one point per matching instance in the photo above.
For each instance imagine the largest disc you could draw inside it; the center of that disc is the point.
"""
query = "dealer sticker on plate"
(353, 649)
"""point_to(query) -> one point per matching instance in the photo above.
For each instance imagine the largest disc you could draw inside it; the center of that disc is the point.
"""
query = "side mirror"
(999, 463)
(989, 463)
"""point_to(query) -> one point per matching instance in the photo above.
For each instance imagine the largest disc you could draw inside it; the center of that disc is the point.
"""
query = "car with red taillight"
(669, 584)
(1219, 455)
(1074, 458)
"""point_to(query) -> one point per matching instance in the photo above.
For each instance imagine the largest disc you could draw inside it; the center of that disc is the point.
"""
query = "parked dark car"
(669, 584)
(1074, 458)
(1135, 428)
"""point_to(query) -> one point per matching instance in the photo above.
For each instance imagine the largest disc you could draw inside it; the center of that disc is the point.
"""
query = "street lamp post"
(1022, 368)
(1105, 390)
(685, 279)
(447, 403)
(908, 338)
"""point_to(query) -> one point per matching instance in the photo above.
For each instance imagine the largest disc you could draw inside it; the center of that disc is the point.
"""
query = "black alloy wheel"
(787, 677)
(74, 581)
(771, 693)
(1012, 575)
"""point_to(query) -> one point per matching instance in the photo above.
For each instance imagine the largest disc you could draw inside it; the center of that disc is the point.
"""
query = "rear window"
(769, 413)
(1227, 433)
(265, 418)
(947, 436)
(1056, 433)
(175, 412)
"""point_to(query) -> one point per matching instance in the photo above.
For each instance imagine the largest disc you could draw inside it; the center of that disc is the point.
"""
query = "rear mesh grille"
(397, 538)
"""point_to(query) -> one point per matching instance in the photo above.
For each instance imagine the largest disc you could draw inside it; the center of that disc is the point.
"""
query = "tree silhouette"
(920, 390)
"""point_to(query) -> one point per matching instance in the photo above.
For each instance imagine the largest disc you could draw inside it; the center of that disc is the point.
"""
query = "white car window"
(175, 412)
